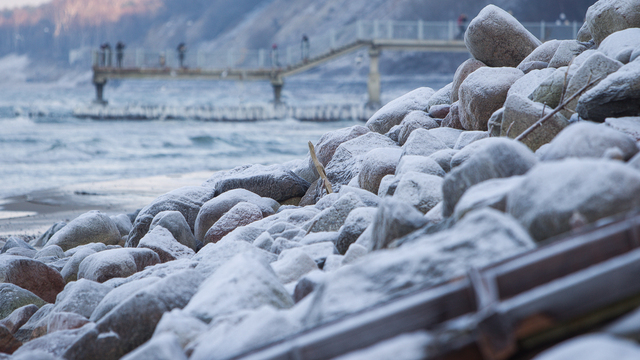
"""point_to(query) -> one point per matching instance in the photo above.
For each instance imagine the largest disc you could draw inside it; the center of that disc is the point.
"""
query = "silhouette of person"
(462, 26)
(103, 54)
(107, 51)
(304, 48)
(274, 56)
(182, 49)
(120, 53)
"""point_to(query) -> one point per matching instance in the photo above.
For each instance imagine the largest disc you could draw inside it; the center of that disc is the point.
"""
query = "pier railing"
(294, 52)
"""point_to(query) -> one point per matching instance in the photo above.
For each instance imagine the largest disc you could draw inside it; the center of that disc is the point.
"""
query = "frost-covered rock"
(211, 257)
(36, 326)
(329, 142)
(388, 185)
(122, 223)
(70, 270)
(187, 200)
(162, 347)
(441, 97)
(162, 242)
(447, 135)
(31, 275)
(184, 327)
(529, 82)
(552, 192)
(274, 181)
(461, 74)
(42, 240)
(520, 113)
(347, 160)
(19, 316)
(50, 346)
(332, 218)
(421, 164)
(393, 219)
(497, 39)
(243, 283)
(423, 191)
(54, 251)
(543, 53)
(215, 208)
(596, 346)
(415, 120)
(367, 198)
(13, 297)
(626, 125)
(586, 139)
(308, 283)
(114, 263)
(452, 120)
(485, 159)
(323, 236)
(550, 89)
(241, 214)
(491, 193)
(177, 226)
(605, 17)
(622, 45)
(318, 252)
(468, 137)
(376, 164)
(479, 239)
(494, 125)
(443, 158)
(15, 242)
(132, 322)
(482, 93)
(617, 95)
(62, 320)
(566, 52)
(394, 112)
(355, 252)
(422, 142)
(116, 296)
(292, 265)
(439, 111)
(81, 297)
(92, 226)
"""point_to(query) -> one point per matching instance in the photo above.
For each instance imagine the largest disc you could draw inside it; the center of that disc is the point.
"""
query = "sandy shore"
(31, 214)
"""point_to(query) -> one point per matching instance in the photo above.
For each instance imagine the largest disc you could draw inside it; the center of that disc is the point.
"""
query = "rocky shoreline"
(528, 142)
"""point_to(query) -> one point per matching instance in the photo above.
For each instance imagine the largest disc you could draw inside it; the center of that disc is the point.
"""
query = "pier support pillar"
(373, 84)
(99, 84)
(277, 85)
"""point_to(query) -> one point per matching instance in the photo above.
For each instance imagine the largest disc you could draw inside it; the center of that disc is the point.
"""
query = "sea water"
(42, 145)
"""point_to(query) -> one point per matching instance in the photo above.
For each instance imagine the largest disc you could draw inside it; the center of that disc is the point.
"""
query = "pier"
(274, 65)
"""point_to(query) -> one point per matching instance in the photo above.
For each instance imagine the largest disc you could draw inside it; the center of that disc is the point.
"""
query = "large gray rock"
(408, 346)
(81, 297)
(42, 240)
(119, 295)
(215, 208)
(329, 142)
(595, 346)
(489, 159)
(608, 16)
(443, 158)
(553, 192)
(482, 93)
(241, 214)
(498, 39)
(355, 224)
(347, 160)
(442, 96)
(468, 137)
(421, 190)
(394, 112)
(394, 219)
(422, 142)
(566, 52)
(543, 53)
(31, 275)
(178, 323)
(177, 225)
(452, 120)
(161, 347)
(595, 67)
(162, 242)
(529, 82)
(187, 200)
(332, 218)
(89, 227)
(491, 193)
(50, 346)
(122, 223)
(133, 321)
(621, 45)
(376, 164)
(70, 270)
(19, 316)
(626, 125)
(421, 164)
(586, 139)
(114, 263)
(243, 283)
(520, 113)
(15, 242)
(617, 95)
(461, 74)
(447, 135)
(13, 297)
(36, 326)
(479, 239)
(415, 120)
(292, 264)
(550, 89)
(494, 125)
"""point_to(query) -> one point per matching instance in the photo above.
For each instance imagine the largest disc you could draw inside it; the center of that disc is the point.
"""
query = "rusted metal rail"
(568, 285)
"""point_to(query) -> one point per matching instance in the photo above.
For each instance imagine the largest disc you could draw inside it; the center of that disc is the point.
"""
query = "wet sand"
(32, 214)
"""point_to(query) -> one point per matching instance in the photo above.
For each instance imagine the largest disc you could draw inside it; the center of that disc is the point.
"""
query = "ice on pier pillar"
(99, 84)
(373, 83)
(277, 85)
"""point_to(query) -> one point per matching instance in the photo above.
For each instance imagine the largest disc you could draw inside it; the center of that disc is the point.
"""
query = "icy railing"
(291, 53)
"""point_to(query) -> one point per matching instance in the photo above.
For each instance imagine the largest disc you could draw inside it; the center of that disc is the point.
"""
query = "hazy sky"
(9, 4)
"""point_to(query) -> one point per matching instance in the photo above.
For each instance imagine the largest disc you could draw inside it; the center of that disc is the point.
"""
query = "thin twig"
(555, 111)
(509, 129)
(320, 168)
(544, 107)
(564, 83)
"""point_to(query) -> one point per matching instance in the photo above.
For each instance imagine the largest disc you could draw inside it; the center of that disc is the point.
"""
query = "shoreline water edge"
(529, 142)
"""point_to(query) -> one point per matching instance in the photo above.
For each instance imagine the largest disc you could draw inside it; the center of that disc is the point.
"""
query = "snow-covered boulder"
(605, 17)
(375, 165)
(89, 227)
(394, 112)
(461, 74)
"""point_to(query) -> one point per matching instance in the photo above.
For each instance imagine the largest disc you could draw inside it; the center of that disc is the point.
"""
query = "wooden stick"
(320, 168)
(564, 83)
(555, 111)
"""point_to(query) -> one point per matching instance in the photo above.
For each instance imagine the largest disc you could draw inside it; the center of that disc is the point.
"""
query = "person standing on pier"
(182, 49)
(107, 52)
(120, 52)
(304, 48)
(462, 26)
(274, 56)
(103, 54)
